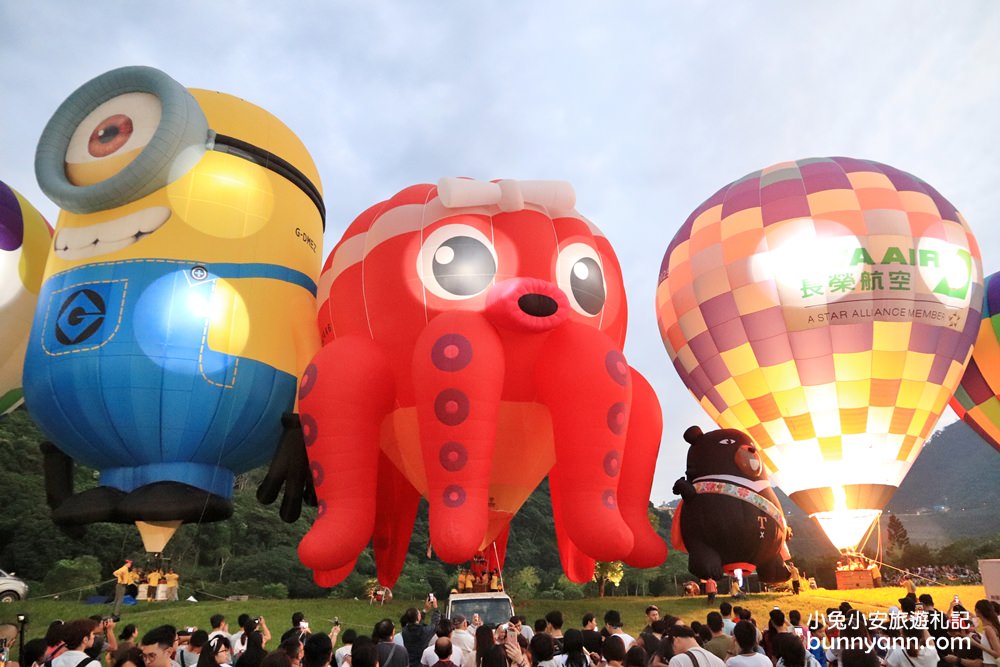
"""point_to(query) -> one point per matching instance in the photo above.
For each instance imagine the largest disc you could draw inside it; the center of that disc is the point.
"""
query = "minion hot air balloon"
(827, 307)
(177, 309)
(24, 243)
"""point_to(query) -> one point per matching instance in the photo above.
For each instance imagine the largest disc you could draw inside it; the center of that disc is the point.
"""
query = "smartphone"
(797, 630)
(511, 637)
(303, 625)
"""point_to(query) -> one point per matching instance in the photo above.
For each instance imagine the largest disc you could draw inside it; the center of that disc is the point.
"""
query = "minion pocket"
(83, 317)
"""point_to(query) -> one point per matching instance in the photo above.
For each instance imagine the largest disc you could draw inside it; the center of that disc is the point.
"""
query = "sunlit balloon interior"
(846, 528)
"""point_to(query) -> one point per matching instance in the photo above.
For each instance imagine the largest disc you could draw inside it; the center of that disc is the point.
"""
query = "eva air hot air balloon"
(828, 308)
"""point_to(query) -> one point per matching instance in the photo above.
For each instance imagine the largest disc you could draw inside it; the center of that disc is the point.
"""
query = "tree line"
(255, 552)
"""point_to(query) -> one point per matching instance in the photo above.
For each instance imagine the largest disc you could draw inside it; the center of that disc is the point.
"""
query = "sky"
(647, 108)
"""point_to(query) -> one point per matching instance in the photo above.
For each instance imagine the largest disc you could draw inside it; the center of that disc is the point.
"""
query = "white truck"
(493, 608)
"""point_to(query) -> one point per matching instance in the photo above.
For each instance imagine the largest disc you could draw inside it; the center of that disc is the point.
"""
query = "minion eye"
(121, 136)
(457, 262)
(115, 132)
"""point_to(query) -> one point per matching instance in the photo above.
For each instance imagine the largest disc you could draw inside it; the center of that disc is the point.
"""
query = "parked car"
(12, 588)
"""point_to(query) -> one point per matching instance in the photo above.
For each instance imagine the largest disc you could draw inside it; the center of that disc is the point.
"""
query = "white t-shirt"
(465, 640)
(628, 640)
(755, 660)
(703, 658)
(429, 657)
(185, 657)
(811, 661)
(72, 659)
(342, 653)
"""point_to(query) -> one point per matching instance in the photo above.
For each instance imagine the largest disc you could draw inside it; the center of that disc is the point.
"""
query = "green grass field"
(362, 616)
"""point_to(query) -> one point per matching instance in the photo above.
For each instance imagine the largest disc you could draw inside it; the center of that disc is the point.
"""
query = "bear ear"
(692, 434)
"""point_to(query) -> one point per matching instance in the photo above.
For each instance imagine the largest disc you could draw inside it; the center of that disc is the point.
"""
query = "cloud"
(646, 107)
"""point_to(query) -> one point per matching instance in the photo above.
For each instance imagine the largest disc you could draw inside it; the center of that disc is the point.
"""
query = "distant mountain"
(957, 469)
(952, 489)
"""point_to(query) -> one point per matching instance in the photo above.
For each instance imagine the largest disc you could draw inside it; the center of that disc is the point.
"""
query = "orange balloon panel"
(827, 307)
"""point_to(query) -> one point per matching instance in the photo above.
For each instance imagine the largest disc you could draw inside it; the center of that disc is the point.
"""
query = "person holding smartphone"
(299, 629)
(512, 649)
(416, 636)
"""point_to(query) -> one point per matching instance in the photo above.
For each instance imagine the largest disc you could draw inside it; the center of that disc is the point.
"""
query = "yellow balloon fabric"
(827, 307)
(24, 240)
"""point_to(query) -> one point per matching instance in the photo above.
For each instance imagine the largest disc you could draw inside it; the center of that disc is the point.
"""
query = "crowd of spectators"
(949, 574)
(729, 636)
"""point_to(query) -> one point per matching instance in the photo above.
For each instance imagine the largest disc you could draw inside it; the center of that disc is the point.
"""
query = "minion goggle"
(128, 133)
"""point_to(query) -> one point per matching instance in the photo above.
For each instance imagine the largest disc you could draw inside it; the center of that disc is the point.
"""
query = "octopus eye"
(580, 276)
(457, 262)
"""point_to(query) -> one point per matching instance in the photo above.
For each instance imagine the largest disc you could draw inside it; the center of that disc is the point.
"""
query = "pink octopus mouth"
(74, 243)
(527, 304)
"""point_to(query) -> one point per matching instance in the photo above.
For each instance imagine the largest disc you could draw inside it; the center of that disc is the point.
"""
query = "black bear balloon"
(731, 518)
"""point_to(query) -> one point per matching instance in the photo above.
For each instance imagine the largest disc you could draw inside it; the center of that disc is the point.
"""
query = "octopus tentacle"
(395, 513)
(352, 376)
(642, 445)
(329, 578)
(578, 566)
(458, 376)
(583, 379)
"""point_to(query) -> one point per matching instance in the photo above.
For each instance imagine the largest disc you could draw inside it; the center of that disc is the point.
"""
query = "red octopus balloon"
(472, 339)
